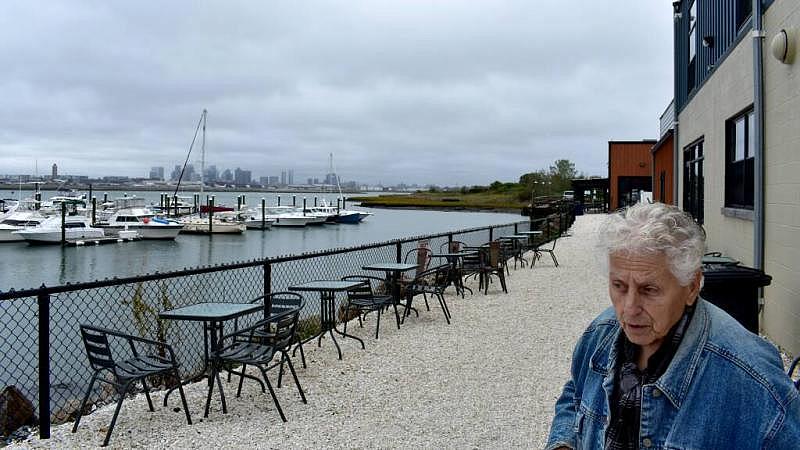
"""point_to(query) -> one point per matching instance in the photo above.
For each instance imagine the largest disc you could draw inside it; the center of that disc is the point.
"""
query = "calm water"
(24, 266)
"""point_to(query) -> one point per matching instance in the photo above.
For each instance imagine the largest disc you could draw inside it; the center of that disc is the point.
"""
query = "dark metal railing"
(40, 350)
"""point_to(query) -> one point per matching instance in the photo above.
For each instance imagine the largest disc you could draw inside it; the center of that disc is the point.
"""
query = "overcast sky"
(448, 92)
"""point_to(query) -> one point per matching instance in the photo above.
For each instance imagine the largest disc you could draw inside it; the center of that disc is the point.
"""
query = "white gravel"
(488, 380)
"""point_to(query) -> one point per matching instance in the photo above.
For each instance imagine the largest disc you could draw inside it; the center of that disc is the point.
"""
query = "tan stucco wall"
(781, 316)
(726, 92)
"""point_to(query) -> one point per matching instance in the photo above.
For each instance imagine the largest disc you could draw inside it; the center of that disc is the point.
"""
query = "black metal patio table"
(393, 272)
(327, 307)
(455, 274)
(213, 315)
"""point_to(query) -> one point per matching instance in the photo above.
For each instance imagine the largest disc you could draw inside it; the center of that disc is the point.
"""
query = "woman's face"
(647, 298)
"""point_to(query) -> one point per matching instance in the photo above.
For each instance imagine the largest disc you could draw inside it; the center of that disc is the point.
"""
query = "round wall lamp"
(783, 46)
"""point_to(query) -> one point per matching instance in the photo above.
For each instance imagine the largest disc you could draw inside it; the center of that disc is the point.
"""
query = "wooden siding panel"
(627, 159)
(662, 162)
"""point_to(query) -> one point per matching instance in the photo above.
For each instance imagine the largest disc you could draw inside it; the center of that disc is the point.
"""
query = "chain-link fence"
(42, 354)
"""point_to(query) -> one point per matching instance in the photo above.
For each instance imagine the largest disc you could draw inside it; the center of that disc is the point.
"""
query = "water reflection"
(23, 266)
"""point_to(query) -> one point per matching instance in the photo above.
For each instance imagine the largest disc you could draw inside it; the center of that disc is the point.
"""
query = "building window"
(693, 180)
(739, 161)
(744, 9)
(692, 51)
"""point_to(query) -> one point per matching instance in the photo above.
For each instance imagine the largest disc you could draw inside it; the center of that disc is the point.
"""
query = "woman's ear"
(695, 285)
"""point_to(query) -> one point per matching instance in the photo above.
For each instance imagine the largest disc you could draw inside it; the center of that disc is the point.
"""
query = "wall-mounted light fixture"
(708, 41)
(676, 10)
(783, 46)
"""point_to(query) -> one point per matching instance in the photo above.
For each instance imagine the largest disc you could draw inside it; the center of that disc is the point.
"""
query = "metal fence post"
(44, 365)
(399, 252)
(491, 234)
(515, 228)
(267, 285)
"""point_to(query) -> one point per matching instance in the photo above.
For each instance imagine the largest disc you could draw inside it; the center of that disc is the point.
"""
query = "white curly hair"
(652, 229)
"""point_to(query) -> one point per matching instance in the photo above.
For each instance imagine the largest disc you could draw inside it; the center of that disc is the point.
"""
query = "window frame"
(694, 180)
(740, 162)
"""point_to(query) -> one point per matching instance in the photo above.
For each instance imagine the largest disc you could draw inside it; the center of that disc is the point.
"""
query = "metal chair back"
(98, 350)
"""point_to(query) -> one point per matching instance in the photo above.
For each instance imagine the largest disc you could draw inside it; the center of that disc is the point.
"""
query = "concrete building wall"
(725, 93)
(781, 316)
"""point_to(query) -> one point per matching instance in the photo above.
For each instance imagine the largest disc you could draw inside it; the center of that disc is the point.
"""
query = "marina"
(26, 266)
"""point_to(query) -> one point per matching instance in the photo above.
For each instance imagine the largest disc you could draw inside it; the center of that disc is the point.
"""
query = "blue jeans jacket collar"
(675, 382)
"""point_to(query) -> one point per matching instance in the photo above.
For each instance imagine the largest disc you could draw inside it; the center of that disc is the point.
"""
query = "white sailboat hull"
(54, 236)
(6, 234)
(202, 227)
(147, 231)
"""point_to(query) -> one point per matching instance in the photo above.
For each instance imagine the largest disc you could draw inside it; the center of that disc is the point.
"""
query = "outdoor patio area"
(488, 380)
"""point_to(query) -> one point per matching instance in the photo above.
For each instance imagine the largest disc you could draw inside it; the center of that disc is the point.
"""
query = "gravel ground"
(488, 380)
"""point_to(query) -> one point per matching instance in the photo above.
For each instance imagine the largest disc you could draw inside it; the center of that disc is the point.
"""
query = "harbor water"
(25, 266)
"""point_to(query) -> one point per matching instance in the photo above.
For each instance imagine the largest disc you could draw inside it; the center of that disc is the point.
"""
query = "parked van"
(568, 195)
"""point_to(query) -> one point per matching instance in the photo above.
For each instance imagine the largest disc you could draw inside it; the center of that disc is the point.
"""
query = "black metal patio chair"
(492, 264)
(362, 299)
(432, 281)
(279, 302)
(452, 247)
(249, 346)
(545, 247)
(124, 373)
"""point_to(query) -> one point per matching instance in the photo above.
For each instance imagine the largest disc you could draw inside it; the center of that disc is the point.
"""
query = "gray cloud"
(445, 92)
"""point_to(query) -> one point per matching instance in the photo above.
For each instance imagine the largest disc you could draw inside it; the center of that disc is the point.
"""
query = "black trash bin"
(734, 288)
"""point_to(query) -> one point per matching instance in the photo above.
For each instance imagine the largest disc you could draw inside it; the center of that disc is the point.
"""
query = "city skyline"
(428, 92)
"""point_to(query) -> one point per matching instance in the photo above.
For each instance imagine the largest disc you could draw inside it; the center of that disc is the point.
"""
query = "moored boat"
(18, 220)
(200, 225)
(145, 222)
(50, 230)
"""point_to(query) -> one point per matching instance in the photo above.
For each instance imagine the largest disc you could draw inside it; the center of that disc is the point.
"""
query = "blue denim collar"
(677, 379)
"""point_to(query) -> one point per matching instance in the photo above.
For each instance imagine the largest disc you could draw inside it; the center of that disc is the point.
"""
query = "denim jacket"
(724, 389)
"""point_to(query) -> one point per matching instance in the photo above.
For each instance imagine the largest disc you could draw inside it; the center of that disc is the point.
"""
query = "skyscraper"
(283, 178)
(242, 177)
(55, 171)
(156, 173)
(291, 176)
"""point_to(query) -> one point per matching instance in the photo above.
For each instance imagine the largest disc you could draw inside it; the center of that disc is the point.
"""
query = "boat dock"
(99, 241)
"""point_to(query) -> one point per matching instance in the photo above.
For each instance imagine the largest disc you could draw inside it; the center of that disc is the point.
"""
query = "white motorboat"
(145, 222)
(287, 216)
(49, 231)
(200, 225)
(7, 207)
(18, 220)
(254, 221)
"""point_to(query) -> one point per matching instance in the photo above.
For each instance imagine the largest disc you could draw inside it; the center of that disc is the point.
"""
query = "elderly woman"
(663, 368)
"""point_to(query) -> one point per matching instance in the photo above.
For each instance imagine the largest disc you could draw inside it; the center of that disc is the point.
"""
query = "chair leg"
(241, 381)
(83, 403)
(396, 315)
(444, 308)
(555, 261)
(210, 389)
(221, 394)
(296, 381)
(378, 323)
(302, 353)
(147, 395)
(122, 394)
(503, 282)
(280, 372)
(183, 398)
(272, 393)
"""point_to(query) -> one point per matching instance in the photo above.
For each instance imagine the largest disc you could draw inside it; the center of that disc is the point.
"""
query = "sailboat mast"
(203, 155)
